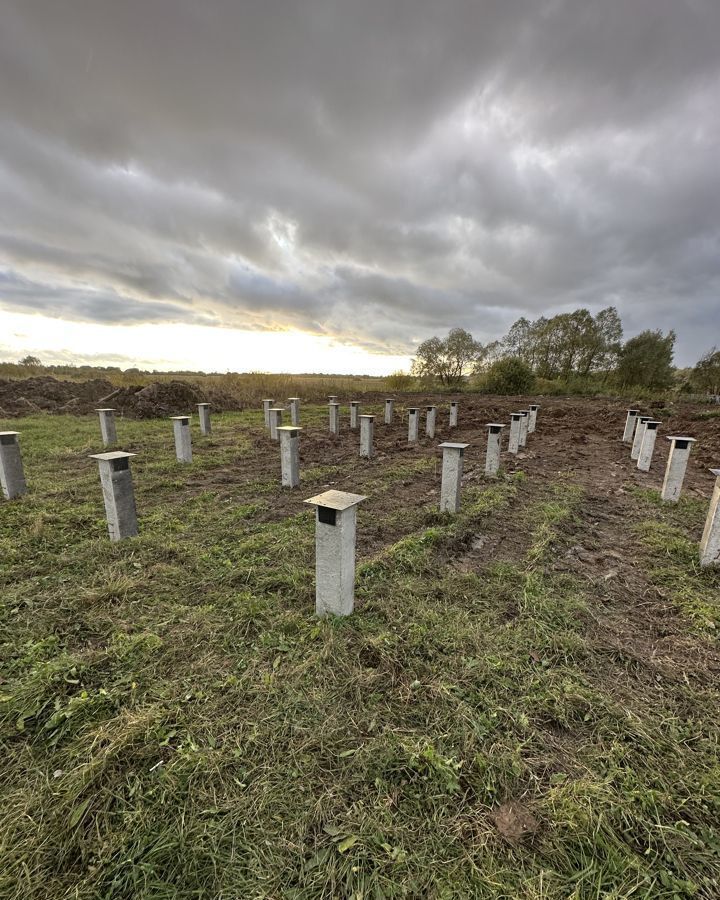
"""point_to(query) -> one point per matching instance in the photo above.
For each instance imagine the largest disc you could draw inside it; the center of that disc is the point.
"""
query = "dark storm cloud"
(375, 171)
(82, 305)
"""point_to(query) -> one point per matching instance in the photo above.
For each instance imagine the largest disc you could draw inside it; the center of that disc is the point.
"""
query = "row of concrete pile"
(640, 433)
(335, 510)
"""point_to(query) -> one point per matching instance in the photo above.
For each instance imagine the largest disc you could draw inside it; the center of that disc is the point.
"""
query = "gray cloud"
(80, 304)
(377, 172)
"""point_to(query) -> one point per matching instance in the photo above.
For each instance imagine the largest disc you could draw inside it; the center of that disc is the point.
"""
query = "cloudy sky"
(318, 185)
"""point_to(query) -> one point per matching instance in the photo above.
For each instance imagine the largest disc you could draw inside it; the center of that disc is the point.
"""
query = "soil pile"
(45, 394)
(166, 398)
(161, 398)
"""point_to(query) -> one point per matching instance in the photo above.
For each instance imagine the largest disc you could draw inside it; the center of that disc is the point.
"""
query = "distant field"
(248, 386)
(524, 704)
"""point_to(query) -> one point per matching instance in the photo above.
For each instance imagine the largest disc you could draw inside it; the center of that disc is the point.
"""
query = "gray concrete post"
(532, 417)
(413, 423)
(289, 455)
(294, 403)
(524, 424)
(354, 414)
(183, 442)
(118, 493)
(632, 415)
(710, 543)
(430, 418)
(452, 470)
(648, 445)
(514, 442)
(267, 406)
(276, 414)
(389, 410)
(367, 433)
(334, 418)
(12, 474)
(676, 466)
(108, 432)
(494, 447)
(453, 414)
(639, 435)
(332, 399)
(204, 416)
(335, 521)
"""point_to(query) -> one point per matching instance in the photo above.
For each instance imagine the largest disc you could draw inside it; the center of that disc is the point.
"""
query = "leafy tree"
(706, 374)
(510, 375)
(30, 361)
(447, 360)
(568, 344)
(646, 360)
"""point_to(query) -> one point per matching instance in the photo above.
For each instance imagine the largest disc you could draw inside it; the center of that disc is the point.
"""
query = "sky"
(319, 185)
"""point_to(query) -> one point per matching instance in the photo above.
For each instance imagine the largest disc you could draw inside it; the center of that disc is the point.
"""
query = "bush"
(509, 376)
(400, 381)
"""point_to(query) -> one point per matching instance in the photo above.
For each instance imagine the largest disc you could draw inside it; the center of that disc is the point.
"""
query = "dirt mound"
(161, 398)
(45, 394)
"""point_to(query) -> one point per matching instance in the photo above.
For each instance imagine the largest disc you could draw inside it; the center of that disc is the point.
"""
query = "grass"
(175, 723)
(670, 538)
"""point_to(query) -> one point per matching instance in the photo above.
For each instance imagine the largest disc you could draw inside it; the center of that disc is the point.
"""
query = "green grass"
(176, 723)
(670, 538)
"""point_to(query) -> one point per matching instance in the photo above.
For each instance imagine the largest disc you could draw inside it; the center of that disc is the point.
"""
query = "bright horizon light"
(173, 347)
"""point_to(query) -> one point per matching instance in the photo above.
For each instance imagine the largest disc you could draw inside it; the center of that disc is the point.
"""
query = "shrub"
(509, 375)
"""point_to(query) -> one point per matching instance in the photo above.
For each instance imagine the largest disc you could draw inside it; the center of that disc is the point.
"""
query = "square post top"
(291, 429)
(716, 472)
(524, 412)
(268, 400)
(495, 425)
(113, 455)
(449, 445)
(413, 409)
(678, 437)
(204, 404)
(516, 415)
(653, 423)
(389, 399)
(180, 418)
(106, 409)
(645, 418)
(633, 412)
(453, 403)
(293, 398)
(366, 416)
(354, 403)
(338, 500)
(333, 404)
(534, 406)
(9, 433)
(276, 409)
(430, 407)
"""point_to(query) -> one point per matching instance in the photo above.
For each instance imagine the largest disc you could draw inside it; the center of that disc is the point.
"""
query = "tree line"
(575, 346)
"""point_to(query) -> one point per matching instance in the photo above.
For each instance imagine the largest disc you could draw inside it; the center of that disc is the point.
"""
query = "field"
(524, 704)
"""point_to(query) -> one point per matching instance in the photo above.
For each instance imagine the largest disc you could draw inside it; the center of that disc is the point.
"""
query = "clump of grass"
(675, 570)
(176, 723)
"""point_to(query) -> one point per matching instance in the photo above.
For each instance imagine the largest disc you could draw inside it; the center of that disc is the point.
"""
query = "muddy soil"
(579, 440)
